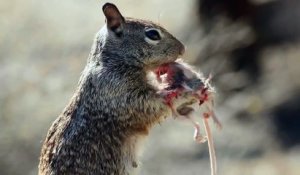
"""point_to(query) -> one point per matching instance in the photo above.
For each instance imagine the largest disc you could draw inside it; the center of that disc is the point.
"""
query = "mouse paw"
(200, 138)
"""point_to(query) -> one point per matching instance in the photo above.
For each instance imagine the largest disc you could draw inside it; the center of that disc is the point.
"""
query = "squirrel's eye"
(153, 34)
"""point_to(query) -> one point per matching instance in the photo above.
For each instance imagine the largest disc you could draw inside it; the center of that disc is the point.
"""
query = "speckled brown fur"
(114, 106)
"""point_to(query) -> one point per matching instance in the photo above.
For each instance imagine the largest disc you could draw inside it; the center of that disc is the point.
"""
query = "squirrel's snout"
(181, 49)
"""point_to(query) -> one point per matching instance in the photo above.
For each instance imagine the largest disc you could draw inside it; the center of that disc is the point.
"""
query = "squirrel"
(114, 106)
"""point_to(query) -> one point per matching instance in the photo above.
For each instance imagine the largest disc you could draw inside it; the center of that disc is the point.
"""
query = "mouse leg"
(216, 120)
(211, 113)
(198, 137)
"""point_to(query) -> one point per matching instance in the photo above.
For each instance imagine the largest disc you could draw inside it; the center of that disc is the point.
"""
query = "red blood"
(169, 69)
(164, 69)
(170, 96)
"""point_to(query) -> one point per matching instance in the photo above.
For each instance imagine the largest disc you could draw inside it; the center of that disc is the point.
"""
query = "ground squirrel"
(114, 105)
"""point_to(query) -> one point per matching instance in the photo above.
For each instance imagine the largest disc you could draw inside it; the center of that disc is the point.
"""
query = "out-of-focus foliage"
(43, 49)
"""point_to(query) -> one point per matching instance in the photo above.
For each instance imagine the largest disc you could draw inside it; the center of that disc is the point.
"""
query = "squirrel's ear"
(114, 18)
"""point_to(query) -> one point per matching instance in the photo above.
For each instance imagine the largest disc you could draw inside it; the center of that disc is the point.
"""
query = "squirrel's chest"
(132, 150)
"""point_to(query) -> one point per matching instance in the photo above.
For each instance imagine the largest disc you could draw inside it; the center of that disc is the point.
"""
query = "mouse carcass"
(180, 79)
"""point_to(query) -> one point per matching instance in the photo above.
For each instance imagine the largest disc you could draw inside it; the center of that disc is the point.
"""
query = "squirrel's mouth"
(160, 65)
(163, 68)
(179, 57)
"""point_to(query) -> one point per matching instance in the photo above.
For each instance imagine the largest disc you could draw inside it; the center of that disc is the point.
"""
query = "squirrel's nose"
(181, 49)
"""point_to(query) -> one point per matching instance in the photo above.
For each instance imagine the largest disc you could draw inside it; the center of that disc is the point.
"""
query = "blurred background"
(250, 46)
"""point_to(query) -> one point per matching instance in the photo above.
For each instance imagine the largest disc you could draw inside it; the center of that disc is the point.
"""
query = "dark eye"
(153, 34)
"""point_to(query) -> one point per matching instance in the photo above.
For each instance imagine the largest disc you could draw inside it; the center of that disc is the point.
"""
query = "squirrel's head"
(136, 42)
